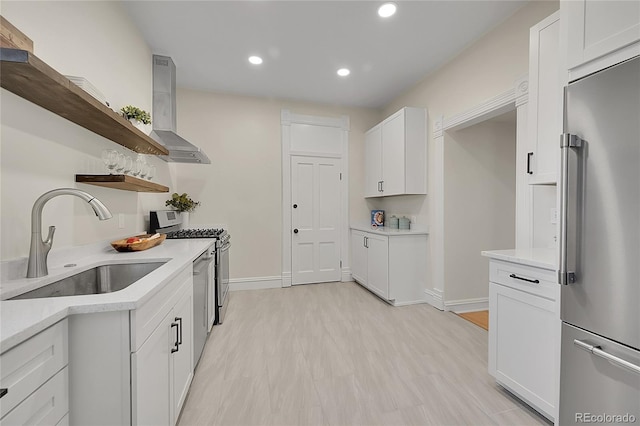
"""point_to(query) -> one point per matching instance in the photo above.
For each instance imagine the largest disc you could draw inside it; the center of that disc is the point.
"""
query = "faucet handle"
(49, 241)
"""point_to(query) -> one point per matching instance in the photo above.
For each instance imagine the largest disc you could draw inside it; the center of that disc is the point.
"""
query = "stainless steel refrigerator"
(599, 267)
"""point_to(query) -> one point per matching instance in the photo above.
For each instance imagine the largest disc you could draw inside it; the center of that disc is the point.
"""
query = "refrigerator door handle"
(567, 142)
(597, 351)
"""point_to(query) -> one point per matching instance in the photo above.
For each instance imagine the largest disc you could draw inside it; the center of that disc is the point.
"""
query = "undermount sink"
(101, 279)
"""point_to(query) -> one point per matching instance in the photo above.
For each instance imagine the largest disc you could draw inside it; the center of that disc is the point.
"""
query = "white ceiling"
(303, 43)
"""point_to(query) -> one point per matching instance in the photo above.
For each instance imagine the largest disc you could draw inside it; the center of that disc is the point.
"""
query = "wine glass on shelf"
(110, 159)
(144, 170)
(121, 163)
(128, 165)
(137, 167)
(152, 172)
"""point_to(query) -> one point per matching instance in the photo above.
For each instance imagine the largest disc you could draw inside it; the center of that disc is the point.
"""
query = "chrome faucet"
(39, 250)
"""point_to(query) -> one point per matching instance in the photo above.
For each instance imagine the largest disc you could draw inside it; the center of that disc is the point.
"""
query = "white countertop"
(383, 230)
(545, 258)
(21, 319)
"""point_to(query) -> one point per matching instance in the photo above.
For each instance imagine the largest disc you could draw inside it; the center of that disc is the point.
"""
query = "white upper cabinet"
(545, 101)
(599, 33)
(396, 155)
(373, 162)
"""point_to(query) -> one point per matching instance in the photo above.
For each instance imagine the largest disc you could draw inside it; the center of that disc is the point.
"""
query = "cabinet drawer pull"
(175, 345)
(524, 279)
(3, 392)
(529, 155)
(180, 333)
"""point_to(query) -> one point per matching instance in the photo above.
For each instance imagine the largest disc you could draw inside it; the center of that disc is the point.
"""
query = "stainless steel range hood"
(164, 115)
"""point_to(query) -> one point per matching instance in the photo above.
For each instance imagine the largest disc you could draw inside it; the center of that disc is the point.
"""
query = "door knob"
(295, 206)
(295, 231)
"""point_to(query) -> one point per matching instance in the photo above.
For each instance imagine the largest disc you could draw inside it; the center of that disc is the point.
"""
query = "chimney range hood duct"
(164, 115)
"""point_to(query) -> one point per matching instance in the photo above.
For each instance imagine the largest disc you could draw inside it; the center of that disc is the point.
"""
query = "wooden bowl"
(143, 244)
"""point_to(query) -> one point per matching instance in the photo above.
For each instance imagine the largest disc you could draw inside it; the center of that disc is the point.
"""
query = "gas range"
(169, 222)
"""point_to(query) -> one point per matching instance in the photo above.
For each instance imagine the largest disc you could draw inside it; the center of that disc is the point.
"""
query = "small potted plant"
(184, 204)
(138, 117)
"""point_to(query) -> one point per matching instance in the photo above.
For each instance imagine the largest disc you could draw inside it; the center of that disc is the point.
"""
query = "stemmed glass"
(110, 159)
(144, 170)
(128, 165)
(137, 167)
(122, 160)
(151, 172)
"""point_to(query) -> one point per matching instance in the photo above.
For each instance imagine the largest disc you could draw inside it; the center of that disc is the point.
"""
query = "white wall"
(41, 151)
(242, 187)
(479, 203)
(487, 68)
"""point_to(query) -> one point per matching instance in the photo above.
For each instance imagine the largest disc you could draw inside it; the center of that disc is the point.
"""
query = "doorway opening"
(479, 206)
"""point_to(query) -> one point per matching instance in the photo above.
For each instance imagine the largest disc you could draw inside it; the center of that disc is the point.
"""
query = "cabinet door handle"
(295, 231)
(381, 186)
(514, 276)
(366, 242)
(529, 155)
(3, 392)
(175, 345)
(180, 334)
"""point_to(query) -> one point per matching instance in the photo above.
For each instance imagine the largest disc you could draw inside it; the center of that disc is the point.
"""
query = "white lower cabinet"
(162, 367)
(129, 354)
(391, 266)
(35, 374)
(524, 333)
(151, 384)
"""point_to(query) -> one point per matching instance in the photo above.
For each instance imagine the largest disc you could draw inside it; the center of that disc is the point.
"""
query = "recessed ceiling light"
(255, 60)
(387, 9)
(343, 72)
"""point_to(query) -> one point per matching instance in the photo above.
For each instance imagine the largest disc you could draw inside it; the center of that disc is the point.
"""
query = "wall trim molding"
(346, 275)
(434, 298)
(286, 279)
(255, 283)
(411, 302)
(467, 305)
(490, 108)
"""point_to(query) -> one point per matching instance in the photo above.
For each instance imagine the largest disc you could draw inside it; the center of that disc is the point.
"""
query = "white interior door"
(315, 219)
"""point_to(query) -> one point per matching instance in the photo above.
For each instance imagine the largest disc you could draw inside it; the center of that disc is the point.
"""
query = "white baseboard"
(255, 283)
(286, 279)
(434, 298)
(467, 305)
(346, 275)
(412, 302)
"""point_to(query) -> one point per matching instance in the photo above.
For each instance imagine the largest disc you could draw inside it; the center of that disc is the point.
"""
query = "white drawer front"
(145, 319)
(27, 366)
(523, 277)
(46, 406)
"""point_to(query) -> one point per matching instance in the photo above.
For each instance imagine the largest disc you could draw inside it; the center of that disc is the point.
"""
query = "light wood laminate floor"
(334, 354)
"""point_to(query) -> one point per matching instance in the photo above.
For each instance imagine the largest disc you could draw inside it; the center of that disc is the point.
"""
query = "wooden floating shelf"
(123, 182)
(22, 73)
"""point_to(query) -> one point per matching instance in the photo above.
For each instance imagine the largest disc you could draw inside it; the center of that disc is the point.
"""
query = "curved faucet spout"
(39, 250)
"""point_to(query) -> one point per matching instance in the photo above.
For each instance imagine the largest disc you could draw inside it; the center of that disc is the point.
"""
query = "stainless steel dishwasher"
(202, 284)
